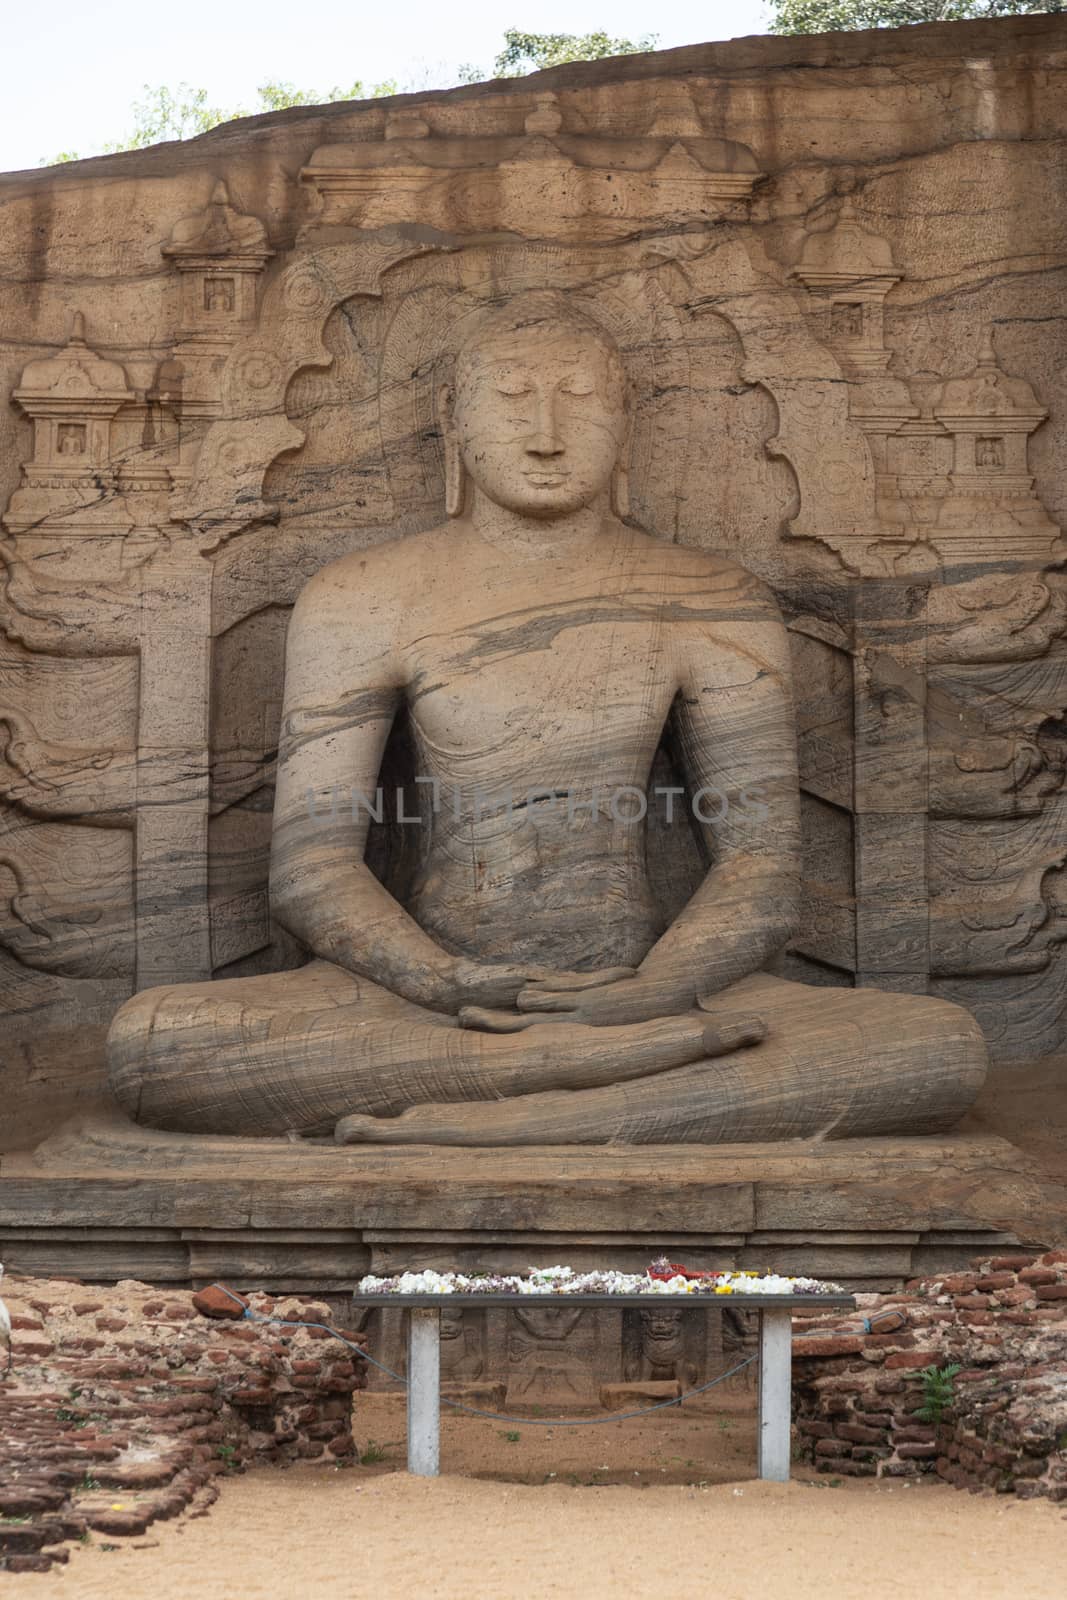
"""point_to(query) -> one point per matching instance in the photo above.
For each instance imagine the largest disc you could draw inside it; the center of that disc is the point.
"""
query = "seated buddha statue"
(530, 988)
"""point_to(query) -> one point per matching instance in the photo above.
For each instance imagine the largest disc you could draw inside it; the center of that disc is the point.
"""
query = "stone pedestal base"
(103, 1200)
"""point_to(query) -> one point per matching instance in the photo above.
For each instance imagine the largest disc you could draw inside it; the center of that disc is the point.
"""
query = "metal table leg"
(775, 1379)
(424, 1393)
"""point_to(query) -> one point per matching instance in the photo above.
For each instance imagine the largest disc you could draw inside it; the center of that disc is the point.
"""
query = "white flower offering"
(663, 1277)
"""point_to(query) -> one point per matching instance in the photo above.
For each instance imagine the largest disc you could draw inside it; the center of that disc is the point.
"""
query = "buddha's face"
(540, 413)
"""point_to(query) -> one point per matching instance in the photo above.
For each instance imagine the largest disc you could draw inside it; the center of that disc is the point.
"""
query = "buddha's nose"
(545, 439)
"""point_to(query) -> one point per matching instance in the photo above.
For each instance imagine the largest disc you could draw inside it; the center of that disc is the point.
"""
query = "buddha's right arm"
(342, 691)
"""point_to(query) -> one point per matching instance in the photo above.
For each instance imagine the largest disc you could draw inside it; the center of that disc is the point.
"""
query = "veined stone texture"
(835, 270)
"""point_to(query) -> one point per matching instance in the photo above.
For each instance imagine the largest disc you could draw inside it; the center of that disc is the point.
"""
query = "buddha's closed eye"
(513, 388)
(512, 381)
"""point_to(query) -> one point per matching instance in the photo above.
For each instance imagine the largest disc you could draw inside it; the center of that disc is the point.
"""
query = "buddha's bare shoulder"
(707, 580)
(383, 576)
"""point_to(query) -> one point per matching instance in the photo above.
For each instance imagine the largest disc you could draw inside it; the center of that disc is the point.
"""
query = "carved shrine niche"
(72, 399)
(220, 254)
(951, 473)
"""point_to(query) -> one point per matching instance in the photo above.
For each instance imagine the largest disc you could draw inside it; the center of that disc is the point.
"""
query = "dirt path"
(320, 1535)
(659, 1508)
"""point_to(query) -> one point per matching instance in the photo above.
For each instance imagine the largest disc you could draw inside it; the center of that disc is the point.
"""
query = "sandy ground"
(663, 1508)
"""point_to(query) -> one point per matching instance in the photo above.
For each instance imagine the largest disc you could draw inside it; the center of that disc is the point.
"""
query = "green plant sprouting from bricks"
(939, 1390)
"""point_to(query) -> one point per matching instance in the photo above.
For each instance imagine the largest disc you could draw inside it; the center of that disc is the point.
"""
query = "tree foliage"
(835, 16)
(531, 52)
(182, 113)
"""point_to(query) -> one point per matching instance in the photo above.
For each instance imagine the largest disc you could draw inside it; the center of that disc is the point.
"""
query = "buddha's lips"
(548, 480)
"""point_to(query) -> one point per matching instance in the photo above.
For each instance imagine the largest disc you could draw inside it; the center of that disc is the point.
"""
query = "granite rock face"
(834, 268)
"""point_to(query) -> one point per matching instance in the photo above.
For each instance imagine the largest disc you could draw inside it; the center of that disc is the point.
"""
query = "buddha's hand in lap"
(590, 1002)
(599, 999)
(474, 985)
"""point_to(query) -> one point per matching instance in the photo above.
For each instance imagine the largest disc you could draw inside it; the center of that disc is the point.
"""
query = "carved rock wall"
(836, 269)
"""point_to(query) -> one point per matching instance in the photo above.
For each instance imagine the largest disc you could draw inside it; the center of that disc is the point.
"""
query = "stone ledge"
(103, 1199)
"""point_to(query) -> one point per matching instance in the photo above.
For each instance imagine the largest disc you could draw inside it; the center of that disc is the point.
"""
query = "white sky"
(72, 68)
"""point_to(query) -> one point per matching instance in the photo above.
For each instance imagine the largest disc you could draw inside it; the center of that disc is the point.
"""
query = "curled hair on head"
(533, 311)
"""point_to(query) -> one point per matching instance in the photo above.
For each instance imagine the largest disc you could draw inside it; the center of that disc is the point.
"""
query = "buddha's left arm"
(736, 740)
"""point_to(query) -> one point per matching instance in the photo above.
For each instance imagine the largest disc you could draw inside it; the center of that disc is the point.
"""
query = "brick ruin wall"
(124, 1404)
(856, 1393)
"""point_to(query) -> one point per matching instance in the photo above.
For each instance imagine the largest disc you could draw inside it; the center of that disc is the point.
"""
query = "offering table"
(775, 1357)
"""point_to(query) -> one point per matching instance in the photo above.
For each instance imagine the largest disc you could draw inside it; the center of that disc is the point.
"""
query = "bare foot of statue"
(530, 988)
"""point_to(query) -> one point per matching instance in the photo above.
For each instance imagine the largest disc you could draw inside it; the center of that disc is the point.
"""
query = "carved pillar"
(220, 254)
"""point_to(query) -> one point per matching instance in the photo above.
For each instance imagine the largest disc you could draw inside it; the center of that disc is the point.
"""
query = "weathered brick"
(850, 1468)
(859, 1434)
(1021, 1295)
(815, 1346)
(815, 1430)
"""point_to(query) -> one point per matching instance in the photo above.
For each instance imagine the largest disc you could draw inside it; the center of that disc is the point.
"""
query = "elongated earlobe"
(620, 492)
(455, 476)
(620, 478)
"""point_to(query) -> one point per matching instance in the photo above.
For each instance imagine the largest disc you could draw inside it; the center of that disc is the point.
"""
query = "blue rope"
(474, 1411)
